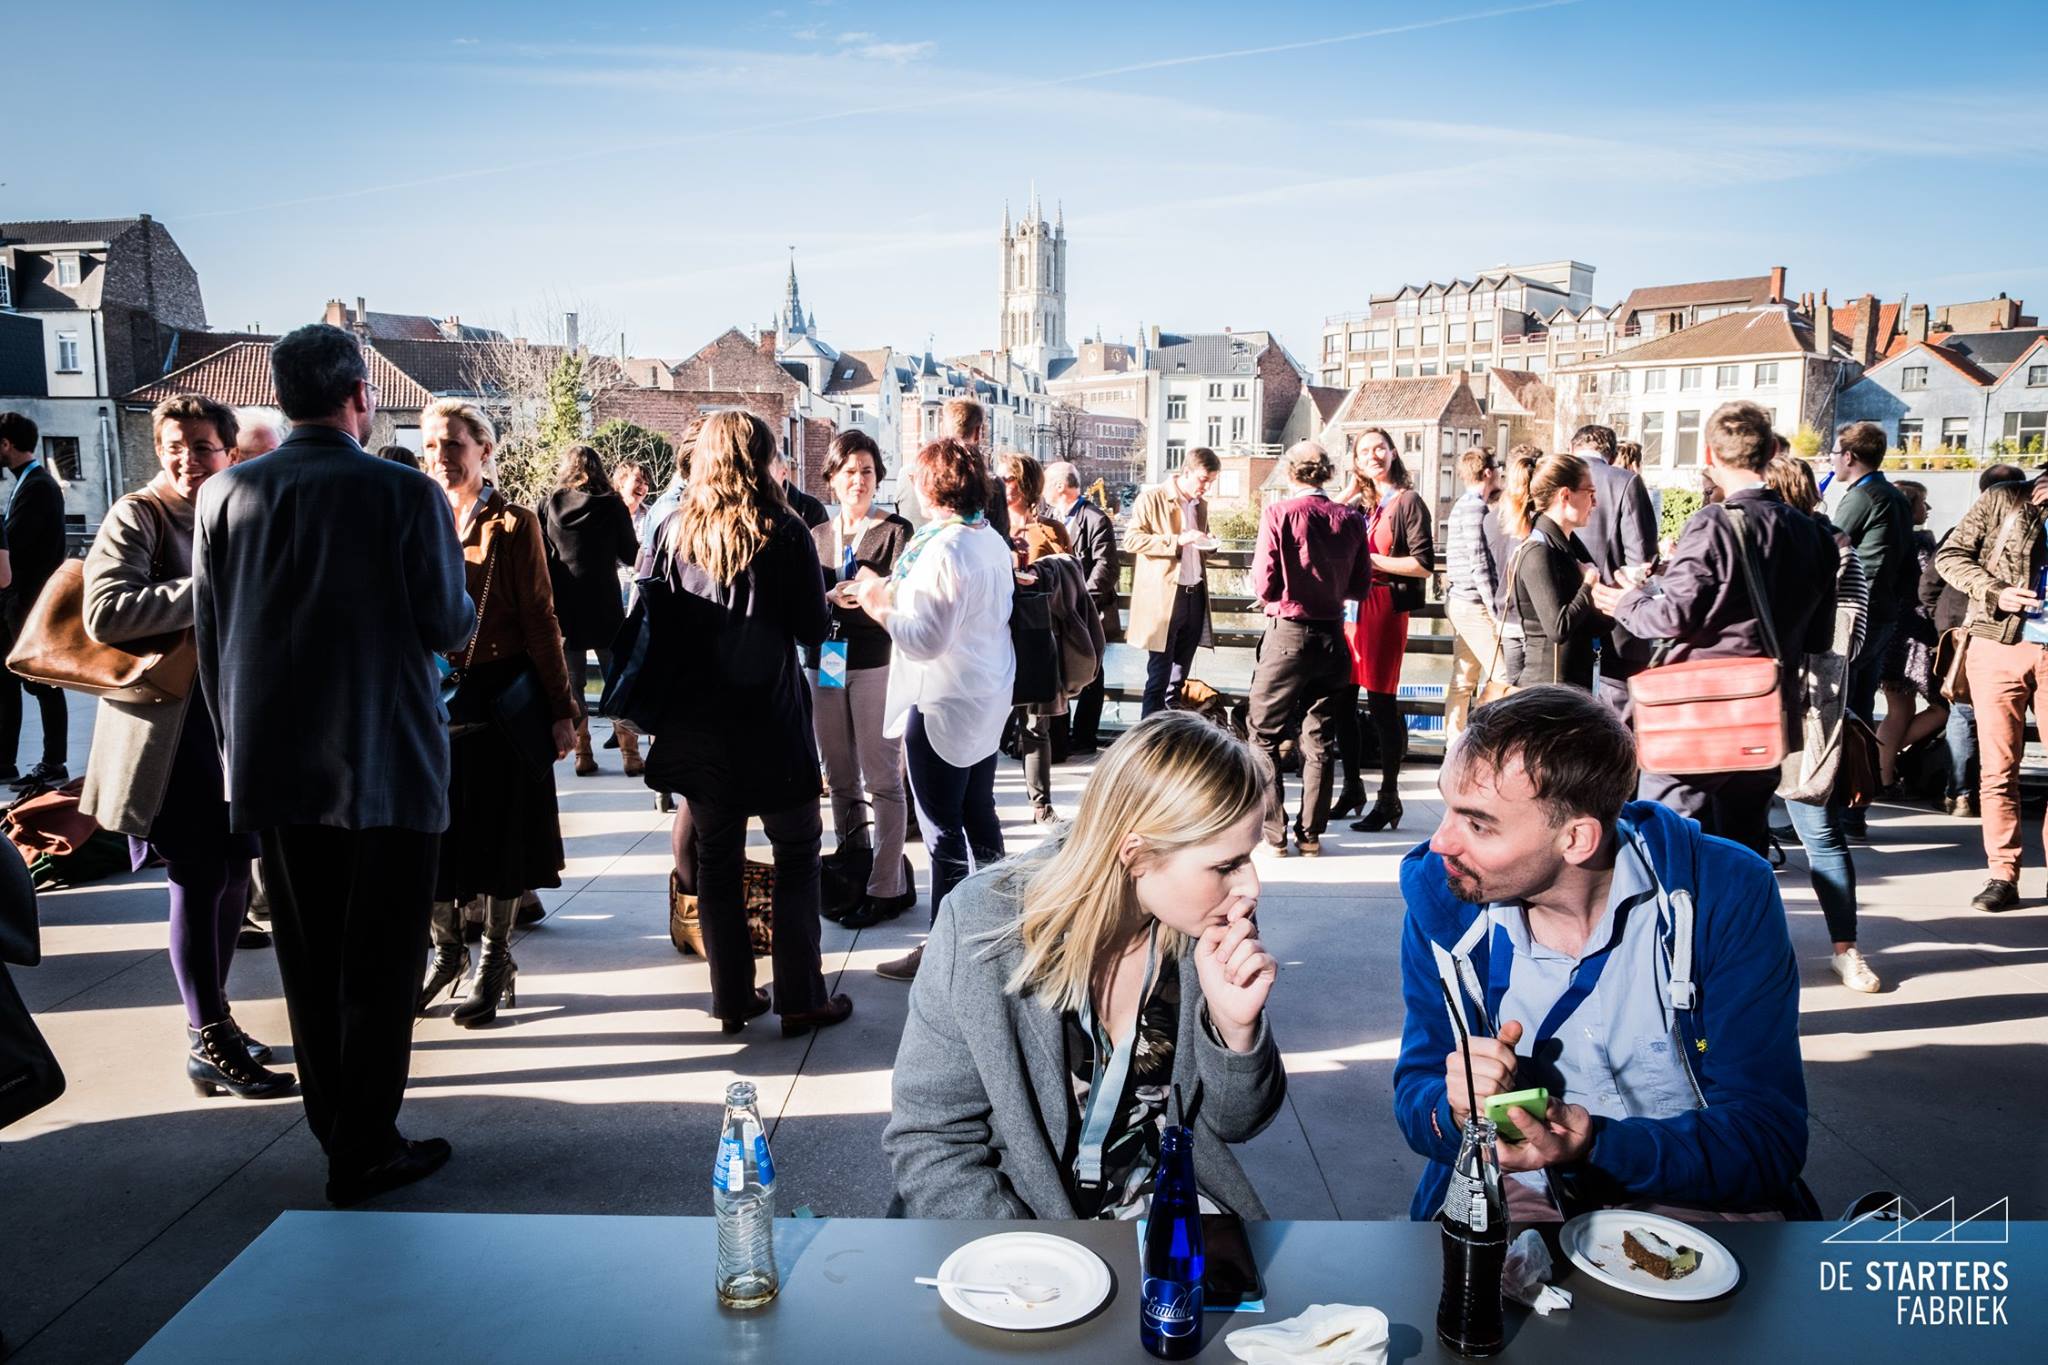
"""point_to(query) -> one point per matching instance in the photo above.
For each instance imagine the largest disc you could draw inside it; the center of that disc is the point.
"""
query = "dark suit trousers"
(349, 911)
(1303, 678)
(1167, 669)
(1736, 806)
(49, 701)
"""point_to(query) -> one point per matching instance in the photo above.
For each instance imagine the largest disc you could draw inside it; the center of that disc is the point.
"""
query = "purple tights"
(208, 899)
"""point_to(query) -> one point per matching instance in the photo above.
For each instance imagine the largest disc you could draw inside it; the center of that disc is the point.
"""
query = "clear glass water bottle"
(743, 1193)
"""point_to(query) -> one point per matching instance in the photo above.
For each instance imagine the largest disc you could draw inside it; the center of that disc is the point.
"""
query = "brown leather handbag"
(1715, 715)
(53, 648)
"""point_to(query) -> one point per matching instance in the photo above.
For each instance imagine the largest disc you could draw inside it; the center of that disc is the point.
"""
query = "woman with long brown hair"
(1403, 547)
(735, 738)
(588, 531)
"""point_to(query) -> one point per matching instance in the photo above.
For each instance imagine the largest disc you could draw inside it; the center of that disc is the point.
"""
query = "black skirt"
(504, 834)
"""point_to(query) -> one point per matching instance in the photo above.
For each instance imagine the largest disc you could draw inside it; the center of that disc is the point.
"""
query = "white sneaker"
(1855, 972)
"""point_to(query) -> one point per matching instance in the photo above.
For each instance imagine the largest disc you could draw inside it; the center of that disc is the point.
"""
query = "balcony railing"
(1238, 625)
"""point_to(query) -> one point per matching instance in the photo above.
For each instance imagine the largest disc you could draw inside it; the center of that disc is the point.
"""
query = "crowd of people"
(393, 655)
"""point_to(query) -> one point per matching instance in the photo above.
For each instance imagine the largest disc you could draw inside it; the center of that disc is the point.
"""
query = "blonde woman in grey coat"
(1072, 990)
(155, 771)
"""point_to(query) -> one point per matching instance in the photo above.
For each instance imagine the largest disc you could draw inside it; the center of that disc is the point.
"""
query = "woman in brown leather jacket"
(504, 833)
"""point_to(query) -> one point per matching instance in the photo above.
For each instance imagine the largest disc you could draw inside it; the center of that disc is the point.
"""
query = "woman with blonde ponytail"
(1072, 990)
(1551, 573)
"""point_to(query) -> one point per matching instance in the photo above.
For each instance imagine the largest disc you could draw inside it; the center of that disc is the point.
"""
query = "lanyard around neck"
(1106, 1086)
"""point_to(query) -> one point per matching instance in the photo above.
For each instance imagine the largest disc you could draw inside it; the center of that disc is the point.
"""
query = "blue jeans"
(1961, 734)
(1167, 669)
(1868, 669)
(1829, 866)
(956, 810)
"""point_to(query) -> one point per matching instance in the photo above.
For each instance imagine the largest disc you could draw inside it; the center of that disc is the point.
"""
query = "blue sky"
(1220, 165)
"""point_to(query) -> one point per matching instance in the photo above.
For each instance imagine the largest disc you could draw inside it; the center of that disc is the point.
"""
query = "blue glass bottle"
(1170, 1302)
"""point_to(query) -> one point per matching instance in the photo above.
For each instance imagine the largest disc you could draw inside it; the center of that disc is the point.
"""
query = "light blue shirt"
(1615, 1054)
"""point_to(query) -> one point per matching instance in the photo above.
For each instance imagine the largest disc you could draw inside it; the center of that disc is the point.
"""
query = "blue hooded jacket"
(1740, 1035)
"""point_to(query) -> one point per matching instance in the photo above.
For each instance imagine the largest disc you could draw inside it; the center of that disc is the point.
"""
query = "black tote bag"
(1038, 652)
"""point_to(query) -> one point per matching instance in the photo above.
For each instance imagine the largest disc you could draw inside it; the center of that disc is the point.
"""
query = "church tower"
(1034, 311)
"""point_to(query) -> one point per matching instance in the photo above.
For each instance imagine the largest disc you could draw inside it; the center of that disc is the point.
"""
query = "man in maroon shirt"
(1312, 558)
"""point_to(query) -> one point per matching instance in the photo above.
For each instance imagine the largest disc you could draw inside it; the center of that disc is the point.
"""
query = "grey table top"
(450, 1288)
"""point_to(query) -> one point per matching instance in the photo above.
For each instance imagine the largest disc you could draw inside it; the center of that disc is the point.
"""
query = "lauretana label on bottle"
(762, 1159)
(1170, 1307)
(731, 1171)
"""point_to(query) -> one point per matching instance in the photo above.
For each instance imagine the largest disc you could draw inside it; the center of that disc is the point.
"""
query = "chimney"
(336, 314)
(1917, 320)
(1823, 325)
(1863, 346)
(768, 344)
(1777, 284)
(362, 321)
(569, 331)
(1152, 337)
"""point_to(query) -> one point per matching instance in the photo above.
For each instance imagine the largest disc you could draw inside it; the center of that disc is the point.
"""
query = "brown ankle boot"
(586, 762)
(629, 751)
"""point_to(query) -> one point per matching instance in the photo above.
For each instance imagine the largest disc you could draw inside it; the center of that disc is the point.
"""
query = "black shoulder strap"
(1753, 578)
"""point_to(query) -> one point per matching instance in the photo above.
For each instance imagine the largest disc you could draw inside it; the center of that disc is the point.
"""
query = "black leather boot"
(449, 964)
(258, 1052)
(1385, 814)
(1351, 799)
(219, 1063)
(496, 974)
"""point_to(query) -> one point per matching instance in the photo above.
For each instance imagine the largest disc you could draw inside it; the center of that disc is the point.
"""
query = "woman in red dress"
(1403, 549)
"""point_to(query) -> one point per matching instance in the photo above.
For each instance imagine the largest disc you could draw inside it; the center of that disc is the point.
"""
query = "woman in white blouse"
(946, 607)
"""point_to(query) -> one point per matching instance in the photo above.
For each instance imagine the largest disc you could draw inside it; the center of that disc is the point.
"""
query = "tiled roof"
(1751, 289)
(1531, 393)
(189, 348)
(1204, 353)
(1402, 400)
(239, 376)
(64, 230)
(1844, 318)
(420, 327)
(1770, 330)
(2025, 357)
(1995, 350)
(858, 371)
(1326, 398)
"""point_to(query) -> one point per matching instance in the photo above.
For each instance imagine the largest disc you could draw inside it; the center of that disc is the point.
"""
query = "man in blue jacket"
(1610, 952)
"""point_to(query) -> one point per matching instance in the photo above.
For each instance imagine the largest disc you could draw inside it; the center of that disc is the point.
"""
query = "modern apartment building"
(1521, 317)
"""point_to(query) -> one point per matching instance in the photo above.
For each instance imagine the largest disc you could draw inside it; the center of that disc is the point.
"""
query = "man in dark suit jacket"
(1622, 534)
(1700, 601)
(1094, 538)
(34, 545)
(325, 581)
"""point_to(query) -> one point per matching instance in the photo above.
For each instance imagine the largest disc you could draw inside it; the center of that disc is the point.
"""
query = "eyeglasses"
(180, 448)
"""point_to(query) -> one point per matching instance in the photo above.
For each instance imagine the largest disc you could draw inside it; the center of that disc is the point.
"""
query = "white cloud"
(894, 52)
(466, 42)
(856, 37)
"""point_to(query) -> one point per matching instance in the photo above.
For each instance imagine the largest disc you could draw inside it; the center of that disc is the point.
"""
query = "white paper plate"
(1037, 1257)
(1593, 1241)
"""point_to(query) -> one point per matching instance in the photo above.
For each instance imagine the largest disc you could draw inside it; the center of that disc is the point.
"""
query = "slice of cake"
(1647, 1251)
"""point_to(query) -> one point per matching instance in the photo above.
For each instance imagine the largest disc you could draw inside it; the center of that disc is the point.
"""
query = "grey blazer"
(134, 745)
(324, 581)
(983, 1123)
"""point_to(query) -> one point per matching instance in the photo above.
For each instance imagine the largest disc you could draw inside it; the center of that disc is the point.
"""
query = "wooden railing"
(1226, 570)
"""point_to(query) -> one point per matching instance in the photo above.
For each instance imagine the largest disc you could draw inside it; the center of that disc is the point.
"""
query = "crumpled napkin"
(1327, 1333)
(1525, 1277)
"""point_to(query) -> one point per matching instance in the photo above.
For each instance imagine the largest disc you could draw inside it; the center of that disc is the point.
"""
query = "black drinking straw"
(1180, 1117)
(1464, 1044)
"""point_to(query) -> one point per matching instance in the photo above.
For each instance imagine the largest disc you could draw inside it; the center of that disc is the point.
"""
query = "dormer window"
(67, 272)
